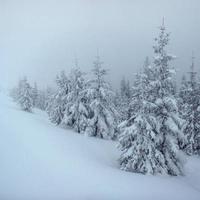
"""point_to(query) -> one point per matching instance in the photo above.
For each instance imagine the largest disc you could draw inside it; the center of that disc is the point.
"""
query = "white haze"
(38, 38)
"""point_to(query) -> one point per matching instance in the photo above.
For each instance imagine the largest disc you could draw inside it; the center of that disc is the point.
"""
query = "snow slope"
(42, 162)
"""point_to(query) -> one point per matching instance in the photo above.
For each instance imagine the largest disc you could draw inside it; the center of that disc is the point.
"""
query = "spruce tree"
(183, 94)
(49, 93)
(149, 139)
(137, 135)
(57, 102)
(189, 108)
(103, 121)
(77, 110)
(166, 111)
(24, 97)
(125, 99)
(35, 95)
(41, 99)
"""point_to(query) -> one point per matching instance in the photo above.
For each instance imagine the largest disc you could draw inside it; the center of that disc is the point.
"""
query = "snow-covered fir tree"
(183, 92)
(190, 111)
(166, 110)
(49, 93)
(124, 99)
(137, 134)
(103, 115)
(149, 139)
(24, 96)
(14, 93)
(41, 99)
(35, 94)
(57, 103)
(77, 109)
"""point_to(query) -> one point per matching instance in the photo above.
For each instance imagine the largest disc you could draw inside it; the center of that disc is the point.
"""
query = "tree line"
(155, 123)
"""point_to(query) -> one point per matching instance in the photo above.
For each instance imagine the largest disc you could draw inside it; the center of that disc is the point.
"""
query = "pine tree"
(35, 94)
(147, 76)
(125, 99)
(49, 93)
(102, 122)
(14, 93)
(149, 139)
(57, 102)
(41, 100)
(24, 97)
(138, 133)
(76, 112)
(183, 95)
(189, 107)
(166, 112)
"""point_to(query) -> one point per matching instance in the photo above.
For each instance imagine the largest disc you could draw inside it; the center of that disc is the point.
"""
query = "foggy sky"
(40, 37)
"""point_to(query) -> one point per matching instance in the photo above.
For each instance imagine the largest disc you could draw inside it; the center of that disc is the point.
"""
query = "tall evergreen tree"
(149, 139)
(137, 136)
(166, 112)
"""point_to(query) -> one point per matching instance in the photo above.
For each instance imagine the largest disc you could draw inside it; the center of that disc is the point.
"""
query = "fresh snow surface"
(42, 162)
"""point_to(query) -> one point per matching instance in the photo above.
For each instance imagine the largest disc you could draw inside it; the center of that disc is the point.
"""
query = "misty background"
(38, 38)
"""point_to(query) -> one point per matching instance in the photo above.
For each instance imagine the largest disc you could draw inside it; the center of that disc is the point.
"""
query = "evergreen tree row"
(155, 125)
(86, 106)
(29, 97)
(163, 124)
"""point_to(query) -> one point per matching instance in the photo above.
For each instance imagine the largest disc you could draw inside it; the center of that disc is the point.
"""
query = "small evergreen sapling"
(24, 98)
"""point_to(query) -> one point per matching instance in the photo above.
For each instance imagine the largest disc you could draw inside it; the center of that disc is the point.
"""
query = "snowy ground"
(40, 161)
